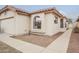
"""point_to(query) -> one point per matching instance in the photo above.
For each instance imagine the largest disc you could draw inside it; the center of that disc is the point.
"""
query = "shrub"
(76, 30)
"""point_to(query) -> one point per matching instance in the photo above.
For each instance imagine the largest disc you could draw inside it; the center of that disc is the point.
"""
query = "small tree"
(69, 21)
(76, 29)
(77, 19)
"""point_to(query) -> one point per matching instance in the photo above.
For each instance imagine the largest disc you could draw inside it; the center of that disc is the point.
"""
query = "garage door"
(8, 26)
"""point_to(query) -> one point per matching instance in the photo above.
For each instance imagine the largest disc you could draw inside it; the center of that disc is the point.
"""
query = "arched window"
(56, 20)
(37, 22)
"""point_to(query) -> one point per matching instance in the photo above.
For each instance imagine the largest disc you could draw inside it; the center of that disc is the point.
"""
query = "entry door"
(61, 23)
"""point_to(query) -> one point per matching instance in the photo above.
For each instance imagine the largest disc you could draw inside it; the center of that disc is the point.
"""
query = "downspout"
(29, 25)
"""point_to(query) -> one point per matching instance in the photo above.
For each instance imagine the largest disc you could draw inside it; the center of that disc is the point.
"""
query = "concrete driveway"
(20, 45)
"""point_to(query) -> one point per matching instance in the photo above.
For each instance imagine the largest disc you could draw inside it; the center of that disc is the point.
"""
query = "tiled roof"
(48, 10)
(15, 9)
(20, 11)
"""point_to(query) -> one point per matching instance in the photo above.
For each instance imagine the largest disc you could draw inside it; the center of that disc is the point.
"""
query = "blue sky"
(71, 11)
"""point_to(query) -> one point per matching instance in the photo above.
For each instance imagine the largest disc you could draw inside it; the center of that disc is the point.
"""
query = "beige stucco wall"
(8, 14)
(22, 24)
(51, 27)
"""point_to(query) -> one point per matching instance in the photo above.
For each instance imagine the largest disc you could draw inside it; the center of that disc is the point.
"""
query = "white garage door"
(8, 26)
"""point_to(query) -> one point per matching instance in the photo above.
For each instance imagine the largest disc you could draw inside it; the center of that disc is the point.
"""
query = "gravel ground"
(43, 41)
(4, 48)
(74, 43)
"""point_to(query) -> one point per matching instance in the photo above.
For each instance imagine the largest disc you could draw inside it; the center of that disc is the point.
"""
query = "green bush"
(76, 30)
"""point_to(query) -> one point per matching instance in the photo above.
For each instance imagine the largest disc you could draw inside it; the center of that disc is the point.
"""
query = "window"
(5, 13)
(61, 23)
(65, 25)
(37, 22)
(56, 20)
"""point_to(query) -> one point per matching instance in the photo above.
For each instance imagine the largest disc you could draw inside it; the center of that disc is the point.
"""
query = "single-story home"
(42, 22)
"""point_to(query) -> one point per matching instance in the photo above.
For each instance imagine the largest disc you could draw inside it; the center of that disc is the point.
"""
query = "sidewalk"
(60, 45)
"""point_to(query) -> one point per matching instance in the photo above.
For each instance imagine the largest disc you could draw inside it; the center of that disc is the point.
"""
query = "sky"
(70, 11)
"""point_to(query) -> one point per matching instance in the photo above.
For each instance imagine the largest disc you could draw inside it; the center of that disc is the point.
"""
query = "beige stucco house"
(42, 22)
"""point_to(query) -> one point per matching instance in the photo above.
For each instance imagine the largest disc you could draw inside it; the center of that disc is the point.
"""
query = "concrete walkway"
(60, 45)
(20, 45)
